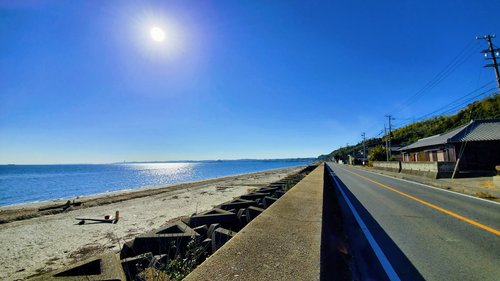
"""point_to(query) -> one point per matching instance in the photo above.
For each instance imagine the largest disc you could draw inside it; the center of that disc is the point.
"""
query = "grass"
(182, 265)
(485, 195)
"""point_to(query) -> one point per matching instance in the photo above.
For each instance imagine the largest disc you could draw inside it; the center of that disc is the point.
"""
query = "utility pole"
(390, 136)
(386, 150)
(364, 148)
(346, 153)
(494, 53)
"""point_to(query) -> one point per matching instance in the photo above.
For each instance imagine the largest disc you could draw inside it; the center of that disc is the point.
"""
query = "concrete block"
(237, 204)
(158, 260)
(135, 265)
(269, 189)
(215, 215)
(281, 182)
(496, 181)
(103, 267)
(392, 166)
(211, 229)
(279, 193)
(255, 195)
(175, 228)
(166, 240)
(429, 169)
(220, 236)
(242, 217)
(201, 230)
(252, 212)
(268, 201)
(207, 244)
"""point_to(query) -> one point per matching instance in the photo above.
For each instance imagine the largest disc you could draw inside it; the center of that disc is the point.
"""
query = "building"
(476, 146)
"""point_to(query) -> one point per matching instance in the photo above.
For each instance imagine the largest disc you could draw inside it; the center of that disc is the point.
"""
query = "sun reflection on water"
(164, 172)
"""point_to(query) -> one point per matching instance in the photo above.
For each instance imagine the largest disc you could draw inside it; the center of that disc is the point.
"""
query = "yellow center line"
(474, 223)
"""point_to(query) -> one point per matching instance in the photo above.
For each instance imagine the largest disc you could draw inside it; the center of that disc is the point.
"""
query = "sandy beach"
(47, 242)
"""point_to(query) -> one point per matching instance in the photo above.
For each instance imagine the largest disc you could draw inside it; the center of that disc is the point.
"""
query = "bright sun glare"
(157, 34)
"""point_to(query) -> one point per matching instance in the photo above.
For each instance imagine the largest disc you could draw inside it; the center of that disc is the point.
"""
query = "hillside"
(487, 108)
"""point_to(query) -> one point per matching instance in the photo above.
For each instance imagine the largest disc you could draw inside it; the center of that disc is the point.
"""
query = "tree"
(378, 153)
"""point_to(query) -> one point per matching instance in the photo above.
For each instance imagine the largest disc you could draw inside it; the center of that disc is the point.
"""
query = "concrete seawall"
(283, 243)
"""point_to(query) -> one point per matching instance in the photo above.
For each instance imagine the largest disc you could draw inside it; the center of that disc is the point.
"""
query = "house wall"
(440, 156)
(480, 156)
(439, 153)
(450, 154)
(423, 156)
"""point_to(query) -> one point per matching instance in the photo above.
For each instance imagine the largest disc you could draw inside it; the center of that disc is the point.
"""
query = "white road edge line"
(430, 186)
(389, 270)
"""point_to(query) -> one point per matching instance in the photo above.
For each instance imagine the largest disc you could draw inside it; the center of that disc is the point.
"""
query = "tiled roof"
(480, 130)
(476, 130)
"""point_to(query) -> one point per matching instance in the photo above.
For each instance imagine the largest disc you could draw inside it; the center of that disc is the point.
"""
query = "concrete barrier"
(431, 169)
(282, 243)
(392, 166)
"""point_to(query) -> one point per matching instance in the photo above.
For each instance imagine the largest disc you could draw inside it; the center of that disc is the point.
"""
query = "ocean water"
(34, 183)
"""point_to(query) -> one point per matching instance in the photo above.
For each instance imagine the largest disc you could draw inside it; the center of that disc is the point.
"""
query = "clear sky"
(84, 82)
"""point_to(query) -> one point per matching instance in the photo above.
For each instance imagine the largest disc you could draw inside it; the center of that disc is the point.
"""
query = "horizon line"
(163, 161)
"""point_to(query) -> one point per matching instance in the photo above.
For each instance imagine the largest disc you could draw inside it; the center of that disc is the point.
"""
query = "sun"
(157, 34)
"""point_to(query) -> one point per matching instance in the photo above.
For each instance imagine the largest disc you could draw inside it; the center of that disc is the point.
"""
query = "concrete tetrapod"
(103, 267)
(166, 240)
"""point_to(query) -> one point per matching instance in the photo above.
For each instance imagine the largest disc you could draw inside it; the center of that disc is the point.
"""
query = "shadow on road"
(364, 264)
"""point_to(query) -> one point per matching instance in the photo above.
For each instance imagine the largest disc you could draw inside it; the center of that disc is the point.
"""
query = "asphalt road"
(440, 234)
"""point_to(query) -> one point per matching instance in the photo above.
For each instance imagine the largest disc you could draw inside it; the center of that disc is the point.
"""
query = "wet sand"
(47, 241)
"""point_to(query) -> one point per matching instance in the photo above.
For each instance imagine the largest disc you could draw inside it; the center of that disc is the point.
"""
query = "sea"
(20, 184)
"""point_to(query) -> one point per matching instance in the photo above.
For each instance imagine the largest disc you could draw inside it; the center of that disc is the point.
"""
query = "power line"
(455, 105)
(446, 108)
(462, 56)
(455, 101)
(494, 53)
(441, 111)
(467, 101)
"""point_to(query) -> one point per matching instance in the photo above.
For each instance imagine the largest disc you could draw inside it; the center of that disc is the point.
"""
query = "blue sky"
(83, 82)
